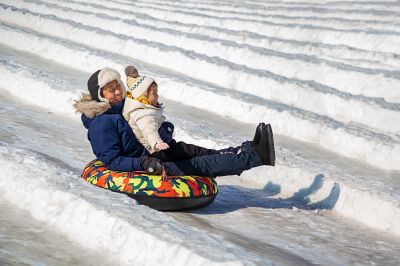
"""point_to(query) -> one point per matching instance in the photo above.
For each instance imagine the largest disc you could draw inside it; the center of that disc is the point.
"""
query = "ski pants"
(181, 151)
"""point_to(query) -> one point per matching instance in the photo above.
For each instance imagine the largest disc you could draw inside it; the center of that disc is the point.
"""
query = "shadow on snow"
(232, 198)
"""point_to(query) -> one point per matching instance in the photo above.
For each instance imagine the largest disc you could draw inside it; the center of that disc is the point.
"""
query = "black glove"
(151, 165)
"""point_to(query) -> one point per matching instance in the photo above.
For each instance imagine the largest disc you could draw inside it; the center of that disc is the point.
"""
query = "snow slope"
(327, 84)
(348, 139)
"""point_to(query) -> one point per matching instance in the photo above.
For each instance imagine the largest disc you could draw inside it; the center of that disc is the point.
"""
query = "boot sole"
(271, 145)
(257, 135)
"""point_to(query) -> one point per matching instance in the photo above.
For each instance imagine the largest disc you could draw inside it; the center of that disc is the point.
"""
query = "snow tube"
(173, 194)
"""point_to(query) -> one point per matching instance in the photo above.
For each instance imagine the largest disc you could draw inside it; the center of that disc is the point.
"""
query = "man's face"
(112, 91)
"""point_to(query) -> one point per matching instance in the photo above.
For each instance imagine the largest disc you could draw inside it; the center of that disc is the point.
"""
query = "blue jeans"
(231, 161)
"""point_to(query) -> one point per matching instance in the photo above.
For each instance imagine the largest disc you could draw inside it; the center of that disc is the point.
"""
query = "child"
(145, 116)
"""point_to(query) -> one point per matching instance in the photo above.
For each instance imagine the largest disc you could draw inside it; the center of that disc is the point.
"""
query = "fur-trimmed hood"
(89, 107)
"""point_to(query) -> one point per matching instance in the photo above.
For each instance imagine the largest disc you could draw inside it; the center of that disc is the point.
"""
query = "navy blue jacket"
(113, 141)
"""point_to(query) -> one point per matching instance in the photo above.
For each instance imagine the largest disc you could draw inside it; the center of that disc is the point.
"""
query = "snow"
(352, 141)
(328, 84)
(32, 243)
(70, 214)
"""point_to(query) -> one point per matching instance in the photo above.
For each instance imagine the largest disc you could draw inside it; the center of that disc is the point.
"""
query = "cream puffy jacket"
(145, 120)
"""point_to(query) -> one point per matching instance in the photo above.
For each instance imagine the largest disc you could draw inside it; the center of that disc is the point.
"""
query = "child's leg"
(184, 151)
(180, 151)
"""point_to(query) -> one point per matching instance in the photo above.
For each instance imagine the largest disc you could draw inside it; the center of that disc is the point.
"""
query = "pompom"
(131, 71)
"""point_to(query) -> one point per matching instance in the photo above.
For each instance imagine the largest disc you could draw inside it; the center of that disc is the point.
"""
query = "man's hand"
(161, 146)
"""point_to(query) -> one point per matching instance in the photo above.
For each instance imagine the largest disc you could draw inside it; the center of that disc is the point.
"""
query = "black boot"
(257, 135)
(265, 147)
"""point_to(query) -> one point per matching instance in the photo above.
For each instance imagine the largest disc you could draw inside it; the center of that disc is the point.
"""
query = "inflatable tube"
(174, 194)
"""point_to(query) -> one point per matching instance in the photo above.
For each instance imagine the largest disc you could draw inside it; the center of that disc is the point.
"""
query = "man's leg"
(217, 164)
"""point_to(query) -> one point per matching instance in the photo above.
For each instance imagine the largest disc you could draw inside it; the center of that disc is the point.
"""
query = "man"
(114, 143)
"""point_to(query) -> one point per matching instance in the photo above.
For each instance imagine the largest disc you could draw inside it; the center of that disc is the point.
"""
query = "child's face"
(153, 94)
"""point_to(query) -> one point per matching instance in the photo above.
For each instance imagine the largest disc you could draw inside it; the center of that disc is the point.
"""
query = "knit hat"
(137, 85)
(101, 78)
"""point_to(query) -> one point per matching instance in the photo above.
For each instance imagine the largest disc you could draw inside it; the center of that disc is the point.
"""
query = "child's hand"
(161, 146)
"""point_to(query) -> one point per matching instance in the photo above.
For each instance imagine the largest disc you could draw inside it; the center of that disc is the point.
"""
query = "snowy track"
(328, 84)
(326, 132)
(247, 218)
